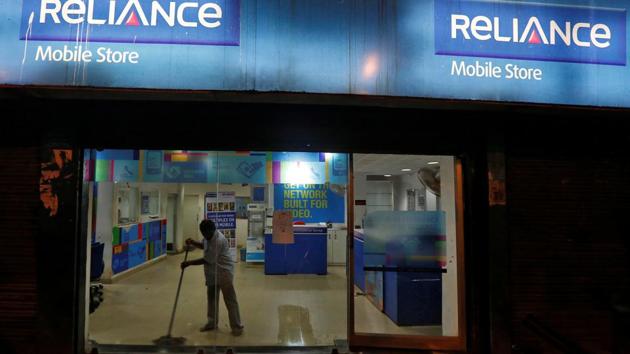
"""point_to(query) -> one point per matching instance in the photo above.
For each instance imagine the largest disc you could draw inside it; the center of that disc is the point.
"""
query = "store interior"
(291, 286)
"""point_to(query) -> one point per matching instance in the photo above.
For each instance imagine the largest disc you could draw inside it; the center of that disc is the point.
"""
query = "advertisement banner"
(221, 208)
(235, 167)
(311, 203)
(567, 52)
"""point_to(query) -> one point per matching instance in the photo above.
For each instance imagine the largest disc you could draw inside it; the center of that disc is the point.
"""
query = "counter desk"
(307, 255)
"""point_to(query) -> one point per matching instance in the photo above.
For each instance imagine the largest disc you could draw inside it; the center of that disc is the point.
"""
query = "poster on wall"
(221, 208)
(153, 165)
(238, 167)
(189, 167)
(311, 203)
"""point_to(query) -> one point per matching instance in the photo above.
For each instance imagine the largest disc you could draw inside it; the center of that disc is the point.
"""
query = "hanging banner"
(221, 208)
(311, 202)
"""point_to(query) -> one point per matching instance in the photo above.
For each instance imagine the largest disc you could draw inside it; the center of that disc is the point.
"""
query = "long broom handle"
(179, 286)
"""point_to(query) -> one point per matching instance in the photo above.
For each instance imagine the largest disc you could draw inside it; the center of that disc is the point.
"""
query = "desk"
(308, 255)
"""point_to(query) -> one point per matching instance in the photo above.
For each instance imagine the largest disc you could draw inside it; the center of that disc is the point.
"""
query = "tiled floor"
(290, 310)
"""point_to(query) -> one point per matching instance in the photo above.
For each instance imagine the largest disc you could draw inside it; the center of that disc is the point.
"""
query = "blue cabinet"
(413, 299)
(307, 255)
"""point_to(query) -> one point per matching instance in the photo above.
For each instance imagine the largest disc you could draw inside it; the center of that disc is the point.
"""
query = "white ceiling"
(381, 164)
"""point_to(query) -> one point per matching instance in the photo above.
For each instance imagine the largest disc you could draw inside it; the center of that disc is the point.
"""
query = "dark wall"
(19, 200)
(568, 206)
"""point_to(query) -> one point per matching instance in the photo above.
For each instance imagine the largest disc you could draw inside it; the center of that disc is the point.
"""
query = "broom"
(169, 340)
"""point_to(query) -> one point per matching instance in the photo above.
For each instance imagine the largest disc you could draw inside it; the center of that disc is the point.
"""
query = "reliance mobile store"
(453, 171)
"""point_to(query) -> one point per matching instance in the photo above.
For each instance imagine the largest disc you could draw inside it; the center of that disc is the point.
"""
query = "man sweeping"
(219, 271)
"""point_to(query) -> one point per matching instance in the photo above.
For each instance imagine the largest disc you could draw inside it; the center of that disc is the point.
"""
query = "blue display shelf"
(413, 299)
(307, 255)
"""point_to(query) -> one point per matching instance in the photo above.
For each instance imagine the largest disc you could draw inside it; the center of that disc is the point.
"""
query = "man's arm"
(197, 244)
(199, 261)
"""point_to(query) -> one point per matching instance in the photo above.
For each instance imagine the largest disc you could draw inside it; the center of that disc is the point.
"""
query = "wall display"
(245, 167)
(221, 208)
(189, 167)
(136, 244)
(238, 167)
(153, 165)
(310, 202)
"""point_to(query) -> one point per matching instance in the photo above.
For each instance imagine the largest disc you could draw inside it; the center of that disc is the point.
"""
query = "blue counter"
(413, 299)
(307, 255)
(407, 298)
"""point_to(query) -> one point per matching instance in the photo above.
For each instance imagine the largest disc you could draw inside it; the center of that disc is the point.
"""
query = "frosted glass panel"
(405, 239)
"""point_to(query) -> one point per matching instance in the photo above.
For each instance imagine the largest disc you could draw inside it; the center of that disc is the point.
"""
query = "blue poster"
(299, 156)
(153, 165)
(310, 203)
(126, 171)
(237, 168)
(117, 154)
(186, 172)
(223, 220)
(338, 168)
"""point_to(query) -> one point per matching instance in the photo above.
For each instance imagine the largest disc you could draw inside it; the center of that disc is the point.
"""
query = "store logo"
(530, 31)
(209, 22)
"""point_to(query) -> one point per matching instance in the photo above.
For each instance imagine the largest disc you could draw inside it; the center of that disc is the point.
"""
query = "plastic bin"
(96, 261)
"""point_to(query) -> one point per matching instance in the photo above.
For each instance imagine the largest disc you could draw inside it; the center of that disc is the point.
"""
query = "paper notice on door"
(282, 227)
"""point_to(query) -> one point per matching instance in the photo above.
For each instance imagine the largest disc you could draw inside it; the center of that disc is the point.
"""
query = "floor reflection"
(294, 326)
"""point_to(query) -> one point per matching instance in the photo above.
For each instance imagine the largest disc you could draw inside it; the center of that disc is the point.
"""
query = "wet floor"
(280, 310)
(289, 310)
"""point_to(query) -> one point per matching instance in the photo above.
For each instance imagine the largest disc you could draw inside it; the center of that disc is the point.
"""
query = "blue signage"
(235, 168)
(310, 202)
(126, 171)
(568, 52)
(209, 22)
(530, 31)
(185, 172)
(223, 220)
(153, 165)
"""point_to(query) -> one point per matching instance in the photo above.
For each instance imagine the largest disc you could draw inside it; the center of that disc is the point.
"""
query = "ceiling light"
(406, 170)
(387, 175)
(433, 163)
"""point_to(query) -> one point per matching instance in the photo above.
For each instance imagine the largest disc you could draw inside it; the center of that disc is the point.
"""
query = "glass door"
(406, 253)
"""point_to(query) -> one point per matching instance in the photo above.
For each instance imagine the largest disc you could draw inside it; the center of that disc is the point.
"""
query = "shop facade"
(399, 77)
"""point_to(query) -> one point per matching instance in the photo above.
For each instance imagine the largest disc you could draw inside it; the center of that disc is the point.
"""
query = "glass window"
(405, 249)
(150, 203)
(127, 204)
(278, 267)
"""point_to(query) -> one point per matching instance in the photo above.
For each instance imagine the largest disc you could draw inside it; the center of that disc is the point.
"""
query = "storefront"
(199, 100)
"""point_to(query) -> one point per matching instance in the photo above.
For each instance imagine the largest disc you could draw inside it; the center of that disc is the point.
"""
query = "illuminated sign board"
(571, 52)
